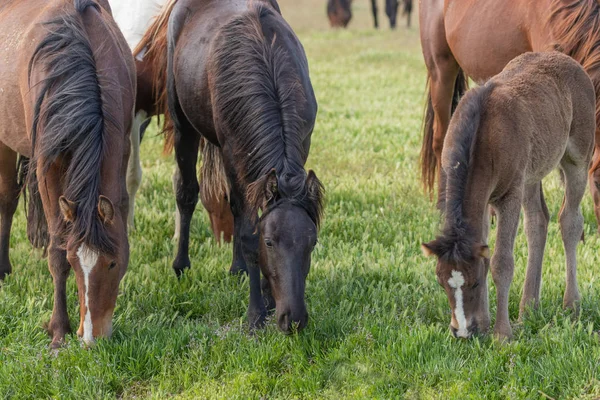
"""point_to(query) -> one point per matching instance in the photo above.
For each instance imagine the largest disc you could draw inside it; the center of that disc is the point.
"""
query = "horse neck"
(475, 204)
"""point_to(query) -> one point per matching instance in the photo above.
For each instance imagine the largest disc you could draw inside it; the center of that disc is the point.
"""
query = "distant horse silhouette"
(504, 138)
(477, 39)
(340, 12)
(236, 75)
(67, 103)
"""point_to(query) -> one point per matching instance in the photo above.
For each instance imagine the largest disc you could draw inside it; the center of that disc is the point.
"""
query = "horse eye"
(268, 243)
(112, 265)
(475, 285)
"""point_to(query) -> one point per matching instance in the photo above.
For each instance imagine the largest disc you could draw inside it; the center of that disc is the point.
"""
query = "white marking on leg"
(87, 260)
(456, 282)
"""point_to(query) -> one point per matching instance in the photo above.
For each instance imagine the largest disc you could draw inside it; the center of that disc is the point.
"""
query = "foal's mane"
(71, 121)
(257, 97)
(456, 243)
(154, 45)
(575, 25)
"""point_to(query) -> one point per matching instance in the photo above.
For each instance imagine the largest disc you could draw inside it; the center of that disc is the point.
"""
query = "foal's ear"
(106, 210)
(430, 249)
(67, 208)
(271, 186)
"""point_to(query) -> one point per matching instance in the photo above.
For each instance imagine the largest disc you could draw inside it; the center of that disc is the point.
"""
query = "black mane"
(69, 121)
(257, 98)
(456, 243)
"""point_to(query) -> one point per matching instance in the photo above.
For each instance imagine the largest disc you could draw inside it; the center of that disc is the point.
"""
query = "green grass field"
(378, 323)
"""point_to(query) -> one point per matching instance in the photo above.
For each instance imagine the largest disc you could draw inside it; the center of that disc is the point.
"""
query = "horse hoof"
(180, 270)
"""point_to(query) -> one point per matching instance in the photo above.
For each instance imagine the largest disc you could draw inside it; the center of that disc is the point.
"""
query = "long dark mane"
(456, 243)
(258, 95)
(575, 25)
(69, 122)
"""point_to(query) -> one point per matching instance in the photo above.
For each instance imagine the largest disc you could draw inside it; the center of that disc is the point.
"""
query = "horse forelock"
(71, 121)
(257, 97)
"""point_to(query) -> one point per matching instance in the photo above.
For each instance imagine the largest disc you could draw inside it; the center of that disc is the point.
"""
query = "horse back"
(195, 29)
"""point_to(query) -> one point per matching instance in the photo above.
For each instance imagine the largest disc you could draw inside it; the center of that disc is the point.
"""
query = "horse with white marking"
(67, 106)
(504, 138)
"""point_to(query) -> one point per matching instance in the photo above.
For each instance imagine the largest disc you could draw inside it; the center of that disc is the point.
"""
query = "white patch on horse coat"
(87, 260)
(456, 282)
(135, 16)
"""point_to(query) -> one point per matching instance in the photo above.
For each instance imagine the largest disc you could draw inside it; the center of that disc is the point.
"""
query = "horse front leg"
(374, 9)
(503, 263)
(186, 154)
(9, 199)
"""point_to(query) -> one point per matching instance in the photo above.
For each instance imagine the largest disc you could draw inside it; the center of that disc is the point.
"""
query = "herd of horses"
(230, 81)
(339, 12)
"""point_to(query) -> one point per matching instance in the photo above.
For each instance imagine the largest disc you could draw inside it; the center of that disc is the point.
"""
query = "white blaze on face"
(456, 282)
(87, 260)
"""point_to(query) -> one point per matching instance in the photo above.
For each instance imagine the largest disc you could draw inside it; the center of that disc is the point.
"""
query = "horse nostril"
(284, 322)
(454, 331)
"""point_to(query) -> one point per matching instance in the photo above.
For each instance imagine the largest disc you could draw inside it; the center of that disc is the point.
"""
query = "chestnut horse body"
(67, 105)
(476, 39)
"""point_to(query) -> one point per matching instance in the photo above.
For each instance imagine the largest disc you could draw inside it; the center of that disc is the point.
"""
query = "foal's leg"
(571, 226)
(536, 229)
(503, 263)
(9, 199)
(134, 169)
(186, 154)
(374, 9)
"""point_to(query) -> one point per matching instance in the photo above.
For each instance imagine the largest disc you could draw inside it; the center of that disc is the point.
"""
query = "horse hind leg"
(571, 226)
(186, 155)
(9, 199)
(134, 169)
(536, 230)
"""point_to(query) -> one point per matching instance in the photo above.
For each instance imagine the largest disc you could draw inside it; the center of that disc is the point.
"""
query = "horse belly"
(484, 37)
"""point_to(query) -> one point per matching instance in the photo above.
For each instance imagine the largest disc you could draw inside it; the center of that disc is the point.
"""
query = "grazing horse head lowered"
(76, 78)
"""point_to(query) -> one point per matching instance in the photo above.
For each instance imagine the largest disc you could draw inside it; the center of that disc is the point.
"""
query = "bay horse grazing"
(463, 38)
(339, 13)
(237, 75)
(135, 17)
(67, 105)
(504, 138)
(391, 10)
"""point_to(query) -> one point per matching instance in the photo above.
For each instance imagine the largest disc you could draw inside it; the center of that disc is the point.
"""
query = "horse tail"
(428, 158)
(37, 226)
(213, 177)
(153, 49)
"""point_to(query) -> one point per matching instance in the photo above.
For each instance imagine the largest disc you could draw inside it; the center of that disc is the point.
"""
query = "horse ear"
(430, 249)
(484, 251)
(106, 210)
(67, 208)
(271, 186)
(314, 186)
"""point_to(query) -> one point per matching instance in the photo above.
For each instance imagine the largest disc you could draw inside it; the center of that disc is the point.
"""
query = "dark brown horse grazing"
(391, 10)
(237, 75)
(504, 138)
(466, 38)
(67, 105)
